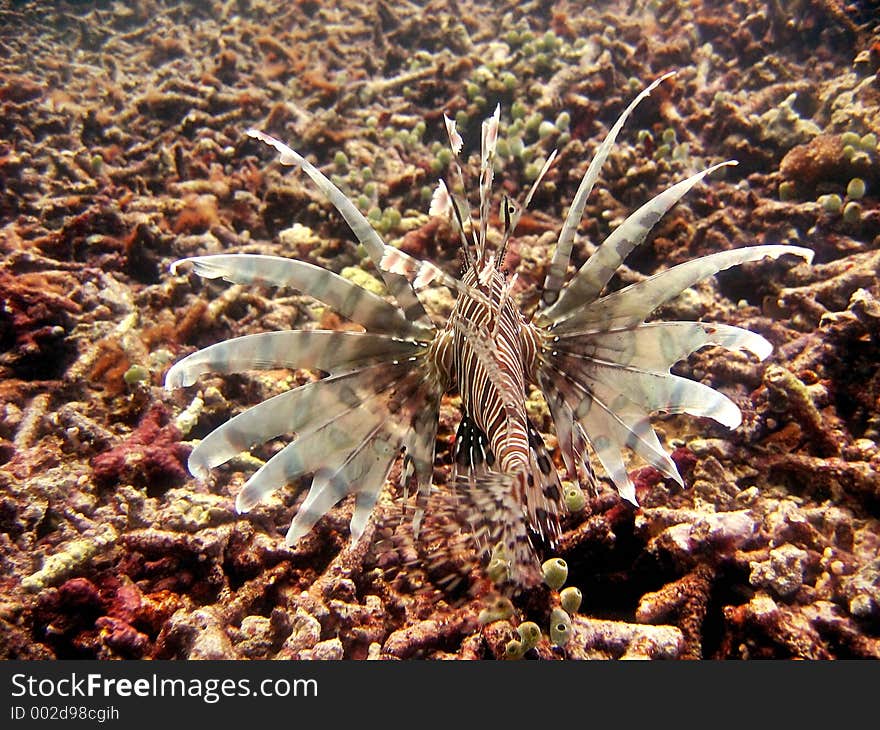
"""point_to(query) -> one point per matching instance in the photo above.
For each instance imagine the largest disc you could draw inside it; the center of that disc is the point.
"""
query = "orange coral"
(198, 215)
(109, 367)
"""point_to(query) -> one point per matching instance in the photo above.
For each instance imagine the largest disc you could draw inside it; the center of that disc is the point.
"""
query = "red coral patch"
(151, 456)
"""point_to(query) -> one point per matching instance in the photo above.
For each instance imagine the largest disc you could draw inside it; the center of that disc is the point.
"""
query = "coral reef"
(122, 148)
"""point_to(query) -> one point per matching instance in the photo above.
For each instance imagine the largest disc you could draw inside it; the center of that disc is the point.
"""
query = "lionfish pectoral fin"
(591, 278)
(357, 426)
(472, 456)
(345, 297)
(632, 304)
(329, 351)
(562, 254)
(398, 285)
(362, 473)
(299, 410)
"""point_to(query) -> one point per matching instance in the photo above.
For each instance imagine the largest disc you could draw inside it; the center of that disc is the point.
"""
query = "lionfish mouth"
(600, 367)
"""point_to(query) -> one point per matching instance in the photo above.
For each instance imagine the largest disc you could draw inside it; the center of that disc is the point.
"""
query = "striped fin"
(462, 537)
(616, 414)
(420, 444)
(569, 433)
(488, 141)
(347, 298)
(592, 277)
(562, 254)
(618, 385)
(607, 442)
(291, 411)
(608, 430)
(350, 451)
(543, 496)
(495, 517)
(533, 500)
(488, 502)
(320, 448)
(656, 346)
(399, 287)
(297, 349)
(421, 273)
(633, 303)
(363, 473)
(611, 400)
(472, 455)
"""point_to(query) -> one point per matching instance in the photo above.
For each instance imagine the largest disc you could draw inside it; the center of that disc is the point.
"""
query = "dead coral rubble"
(122, 148)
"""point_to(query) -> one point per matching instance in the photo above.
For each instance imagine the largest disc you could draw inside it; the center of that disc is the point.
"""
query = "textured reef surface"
(123, 148)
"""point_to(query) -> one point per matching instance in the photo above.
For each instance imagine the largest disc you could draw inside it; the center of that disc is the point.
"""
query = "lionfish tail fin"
(492, 509)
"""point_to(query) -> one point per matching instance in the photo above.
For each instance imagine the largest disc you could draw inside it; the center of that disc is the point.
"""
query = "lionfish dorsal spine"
(398, 285)
(562, 255)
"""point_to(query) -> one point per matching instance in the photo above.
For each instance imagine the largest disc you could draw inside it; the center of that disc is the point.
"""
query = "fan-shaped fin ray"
(632, 304)
(570, 434)
(349, 299)
(611, 421)
(657, 346)
(562, 254)
(365, 499)
(563, 420)
(291, 411)
(591, 278)
(399, 287)
(420, 444)
(297, 349)
(363, 472)
(315, 450)
(650, 391)
(601, 429)
(349, 451)
(605, 440)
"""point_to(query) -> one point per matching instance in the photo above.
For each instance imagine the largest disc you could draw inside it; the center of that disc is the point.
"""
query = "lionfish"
(601, 368)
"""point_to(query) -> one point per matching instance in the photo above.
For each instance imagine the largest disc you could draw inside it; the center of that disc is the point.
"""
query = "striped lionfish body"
(601, 369)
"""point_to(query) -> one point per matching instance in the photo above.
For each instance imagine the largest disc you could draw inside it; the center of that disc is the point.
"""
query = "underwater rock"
(783, 572)
(597, 639)
(822, 160)
(73, 557)
(685, 602)
(197, 634)
(863, 591)
(785, 127)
